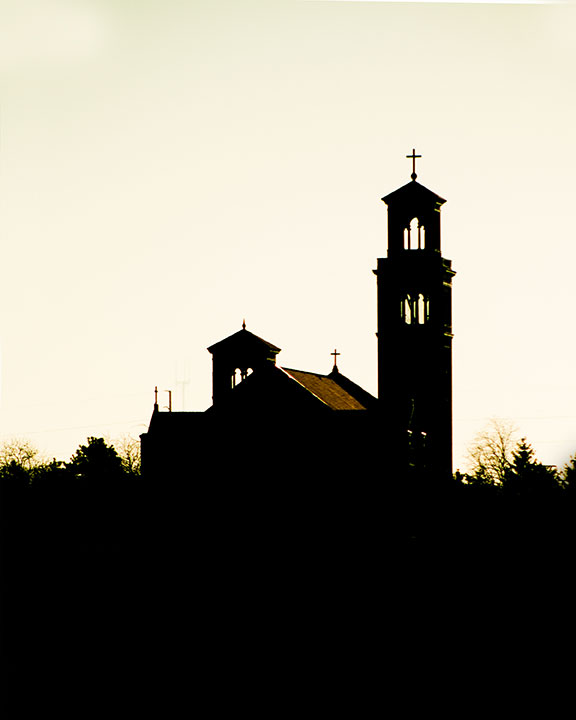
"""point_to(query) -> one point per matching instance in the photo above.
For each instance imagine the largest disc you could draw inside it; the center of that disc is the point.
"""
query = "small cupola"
(236, 357)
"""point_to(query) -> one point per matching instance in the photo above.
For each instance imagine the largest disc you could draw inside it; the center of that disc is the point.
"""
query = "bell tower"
(415, 331)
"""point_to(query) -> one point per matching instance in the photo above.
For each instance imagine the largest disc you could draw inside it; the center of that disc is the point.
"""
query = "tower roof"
(411, 193)
(244, 340)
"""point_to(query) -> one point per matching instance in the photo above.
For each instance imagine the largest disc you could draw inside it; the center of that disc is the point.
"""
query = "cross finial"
(335, 354)
(413, 156)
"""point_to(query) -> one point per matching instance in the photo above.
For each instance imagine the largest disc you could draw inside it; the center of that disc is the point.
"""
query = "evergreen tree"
(527, 476)
(96, 462)
(569, 476)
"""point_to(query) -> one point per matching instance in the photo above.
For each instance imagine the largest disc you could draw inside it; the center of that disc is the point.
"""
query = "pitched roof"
(244, 339)
(334, 390)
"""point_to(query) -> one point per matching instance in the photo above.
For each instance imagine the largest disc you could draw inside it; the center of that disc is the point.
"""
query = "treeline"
(83, 501)
(524, 475)
(104, 569)
(99, 499)
(73, 558)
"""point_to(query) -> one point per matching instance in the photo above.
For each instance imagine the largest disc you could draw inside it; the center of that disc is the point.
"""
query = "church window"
(415, 309)
(414, 235)
(239, 375)
(407, 310)
(423, 309)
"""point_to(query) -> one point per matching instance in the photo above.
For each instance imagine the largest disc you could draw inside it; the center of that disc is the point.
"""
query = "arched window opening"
(414, 235)
(240, 374)
(244, 373)
(421, 309)
(415, 309)
(407, 310)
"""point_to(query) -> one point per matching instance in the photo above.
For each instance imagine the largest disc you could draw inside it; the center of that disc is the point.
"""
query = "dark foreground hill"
(254, 593)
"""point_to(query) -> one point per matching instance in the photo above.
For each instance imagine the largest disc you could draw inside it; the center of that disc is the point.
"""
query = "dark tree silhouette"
(527, 476)
(20, 452)
(128, 449)
(96, 461)
(490, 454)
(569, 476)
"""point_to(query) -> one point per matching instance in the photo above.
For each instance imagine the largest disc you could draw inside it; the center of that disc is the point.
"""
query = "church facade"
(276, 422)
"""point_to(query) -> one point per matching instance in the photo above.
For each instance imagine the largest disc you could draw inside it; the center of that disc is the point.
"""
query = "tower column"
(415, 332)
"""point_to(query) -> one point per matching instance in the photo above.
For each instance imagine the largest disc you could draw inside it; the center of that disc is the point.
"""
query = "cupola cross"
(413, 156)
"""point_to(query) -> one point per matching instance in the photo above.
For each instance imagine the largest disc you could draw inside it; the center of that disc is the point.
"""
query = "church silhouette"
(272, 422)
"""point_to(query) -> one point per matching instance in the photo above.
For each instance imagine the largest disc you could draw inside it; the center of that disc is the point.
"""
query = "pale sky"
(169, 168)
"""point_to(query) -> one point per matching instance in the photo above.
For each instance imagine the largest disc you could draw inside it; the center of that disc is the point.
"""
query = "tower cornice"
(413, 192)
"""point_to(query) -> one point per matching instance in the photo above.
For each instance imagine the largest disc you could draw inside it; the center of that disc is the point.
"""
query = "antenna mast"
(185, 381)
